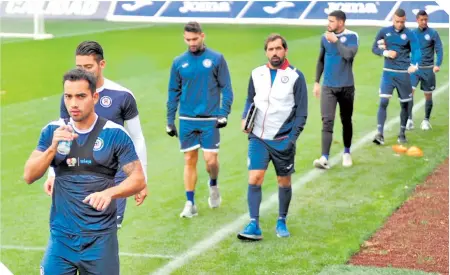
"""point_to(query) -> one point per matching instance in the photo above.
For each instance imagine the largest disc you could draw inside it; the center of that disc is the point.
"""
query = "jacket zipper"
(268, 105)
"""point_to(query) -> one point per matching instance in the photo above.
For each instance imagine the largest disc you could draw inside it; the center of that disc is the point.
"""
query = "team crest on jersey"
(284, 79)
(71, 162)
(343, 39)
(105, 101)
(98, 145)
(427, 37)
(403, 36)
(207, 63)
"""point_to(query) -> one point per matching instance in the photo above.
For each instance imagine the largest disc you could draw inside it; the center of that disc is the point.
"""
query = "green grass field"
(330, 215)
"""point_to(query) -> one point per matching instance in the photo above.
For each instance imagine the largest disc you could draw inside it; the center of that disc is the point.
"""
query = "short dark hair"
(400, 13)
(340, 15)
(421, 13)
(90, 48)
(273, 37)
(193, 27)
(80, 74)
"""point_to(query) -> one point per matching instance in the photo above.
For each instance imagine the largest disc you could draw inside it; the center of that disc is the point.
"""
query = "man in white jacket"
(115, 103)
(279, 94)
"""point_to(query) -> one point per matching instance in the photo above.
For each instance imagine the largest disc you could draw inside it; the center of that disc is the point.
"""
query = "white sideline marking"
(84, 33)
(4, 270)
(233, 227)
(126, 254)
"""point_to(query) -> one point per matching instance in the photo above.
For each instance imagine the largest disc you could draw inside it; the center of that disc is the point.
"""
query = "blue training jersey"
(404, 42)
(197, 83)
(430, 42)
(115, 103)
(338, 71)
(113, 149)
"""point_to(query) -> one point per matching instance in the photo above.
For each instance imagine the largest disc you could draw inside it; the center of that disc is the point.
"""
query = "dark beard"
(276, 63)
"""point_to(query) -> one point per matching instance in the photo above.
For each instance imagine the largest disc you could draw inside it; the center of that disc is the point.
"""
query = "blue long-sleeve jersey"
(336, 60)
(404, 42)
(198, 82)
(430, 42)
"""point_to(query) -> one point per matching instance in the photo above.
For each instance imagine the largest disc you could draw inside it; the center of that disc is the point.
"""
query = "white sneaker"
(321, 163)
(409, 124)
(214, 199)
(189, 210)
(425, 125)
(347, 160)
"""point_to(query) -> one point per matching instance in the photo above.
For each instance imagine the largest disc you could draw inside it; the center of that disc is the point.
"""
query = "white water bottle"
(64, 145)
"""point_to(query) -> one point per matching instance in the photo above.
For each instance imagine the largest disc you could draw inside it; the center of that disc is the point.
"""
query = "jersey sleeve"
(416, 53)
(129, 107)
(45, 139)
(438, 48)
(224, 81)
(375, 49)
(174, 93)
(320, 61)
(124, 148)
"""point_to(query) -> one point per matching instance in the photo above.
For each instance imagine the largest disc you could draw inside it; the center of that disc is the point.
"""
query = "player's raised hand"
(381, 44)
(99, 200)
(48, 185)
(171, 130)
(392, 54)
(331, 37)
(140, 197)
(436, 69)
(243, 127)
(412, 69)
(316, 90)
(64, 132)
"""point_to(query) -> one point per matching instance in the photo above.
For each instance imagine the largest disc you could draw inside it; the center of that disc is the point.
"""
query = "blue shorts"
(427, 79)
(396, 80)
(196, 134)
(66, 254)
(280, 152)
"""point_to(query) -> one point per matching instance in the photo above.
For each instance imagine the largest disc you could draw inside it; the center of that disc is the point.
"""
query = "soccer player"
(338, 48)
(117, 104)
(396, 43)
(83, 231)
(199, 79)
(430, 42)
(279, 93)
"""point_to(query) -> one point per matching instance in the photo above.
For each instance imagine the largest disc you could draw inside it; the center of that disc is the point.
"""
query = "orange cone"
(414, 151)
(399, 149)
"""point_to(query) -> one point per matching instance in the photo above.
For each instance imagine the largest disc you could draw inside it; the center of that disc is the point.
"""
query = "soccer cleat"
(321, 163)
(378, 139)
(214, 199)
(409, 124)
(189, 210)
(425, 125)
(402, 139)
(347, 160)
(281, 229)
(251, 232)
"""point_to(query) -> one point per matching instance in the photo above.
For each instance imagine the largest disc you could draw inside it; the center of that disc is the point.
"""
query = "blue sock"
(326, 156)
(190, 196)
(254, 197)
(347, 150)
(212, 182)
(381, 116)
(284, 199)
